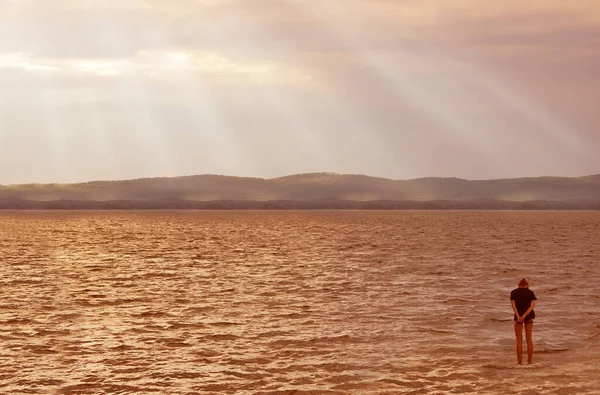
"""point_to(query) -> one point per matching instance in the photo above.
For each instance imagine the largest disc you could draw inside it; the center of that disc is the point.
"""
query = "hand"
(520, 319)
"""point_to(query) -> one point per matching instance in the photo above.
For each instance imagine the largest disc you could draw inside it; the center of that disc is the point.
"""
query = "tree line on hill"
(321, 204)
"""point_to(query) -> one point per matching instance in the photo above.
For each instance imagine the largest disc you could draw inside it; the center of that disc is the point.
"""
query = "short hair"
(523, 283)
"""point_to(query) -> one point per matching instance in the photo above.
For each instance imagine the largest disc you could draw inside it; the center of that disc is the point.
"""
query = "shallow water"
(318, 302)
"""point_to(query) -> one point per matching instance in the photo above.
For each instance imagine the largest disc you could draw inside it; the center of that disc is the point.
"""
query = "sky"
(121, 89)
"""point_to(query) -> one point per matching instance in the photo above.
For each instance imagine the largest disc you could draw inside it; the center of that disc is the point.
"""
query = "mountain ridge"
(302, 175)
(312, 186)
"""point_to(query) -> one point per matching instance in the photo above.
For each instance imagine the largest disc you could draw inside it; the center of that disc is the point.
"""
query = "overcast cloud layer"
(106, 89)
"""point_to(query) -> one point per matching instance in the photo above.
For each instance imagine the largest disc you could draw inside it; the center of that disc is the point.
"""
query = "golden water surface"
(341, 302)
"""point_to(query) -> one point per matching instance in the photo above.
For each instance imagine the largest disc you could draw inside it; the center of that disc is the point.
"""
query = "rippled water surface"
(296, 302)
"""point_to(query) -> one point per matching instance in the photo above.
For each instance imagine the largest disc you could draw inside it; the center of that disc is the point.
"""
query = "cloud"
(387, 81)
(158, 65)
(99, 29)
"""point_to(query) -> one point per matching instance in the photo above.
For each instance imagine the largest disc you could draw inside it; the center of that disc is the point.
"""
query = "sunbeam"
(384, 68)
(263, 88)
(286, 113)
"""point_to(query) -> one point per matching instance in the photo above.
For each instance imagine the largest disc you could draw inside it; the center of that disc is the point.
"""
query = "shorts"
(527, 321)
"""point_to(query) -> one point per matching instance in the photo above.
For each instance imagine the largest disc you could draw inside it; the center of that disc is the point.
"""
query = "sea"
(296, 302)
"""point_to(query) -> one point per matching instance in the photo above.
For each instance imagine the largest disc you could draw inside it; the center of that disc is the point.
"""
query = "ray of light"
(445, 113)
(385, 72)
(287, 107)
(56, 131)
(550, 124)
(209, 126)
(183, 81)
(133, 117)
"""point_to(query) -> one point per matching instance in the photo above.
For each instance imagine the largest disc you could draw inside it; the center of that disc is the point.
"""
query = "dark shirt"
(523, 298)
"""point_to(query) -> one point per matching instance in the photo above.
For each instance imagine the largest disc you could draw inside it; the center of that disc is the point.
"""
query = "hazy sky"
(117, 89)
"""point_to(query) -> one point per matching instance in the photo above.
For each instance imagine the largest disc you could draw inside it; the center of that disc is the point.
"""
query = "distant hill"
(325, 188)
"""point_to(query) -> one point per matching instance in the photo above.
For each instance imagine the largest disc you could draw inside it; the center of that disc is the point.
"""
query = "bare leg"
(519, 336)
(528, 336)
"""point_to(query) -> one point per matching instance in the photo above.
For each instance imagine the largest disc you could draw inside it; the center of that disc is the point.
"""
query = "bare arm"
(514, 306)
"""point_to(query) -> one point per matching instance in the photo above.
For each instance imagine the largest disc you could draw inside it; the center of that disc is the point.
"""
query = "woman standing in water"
(523, 301)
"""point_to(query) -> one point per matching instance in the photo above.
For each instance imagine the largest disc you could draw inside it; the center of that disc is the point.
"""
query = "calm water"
(296, 302)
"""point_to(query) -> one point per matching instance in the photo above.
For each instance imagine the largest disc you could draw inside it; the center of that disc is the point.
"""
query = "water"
(296, 302)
